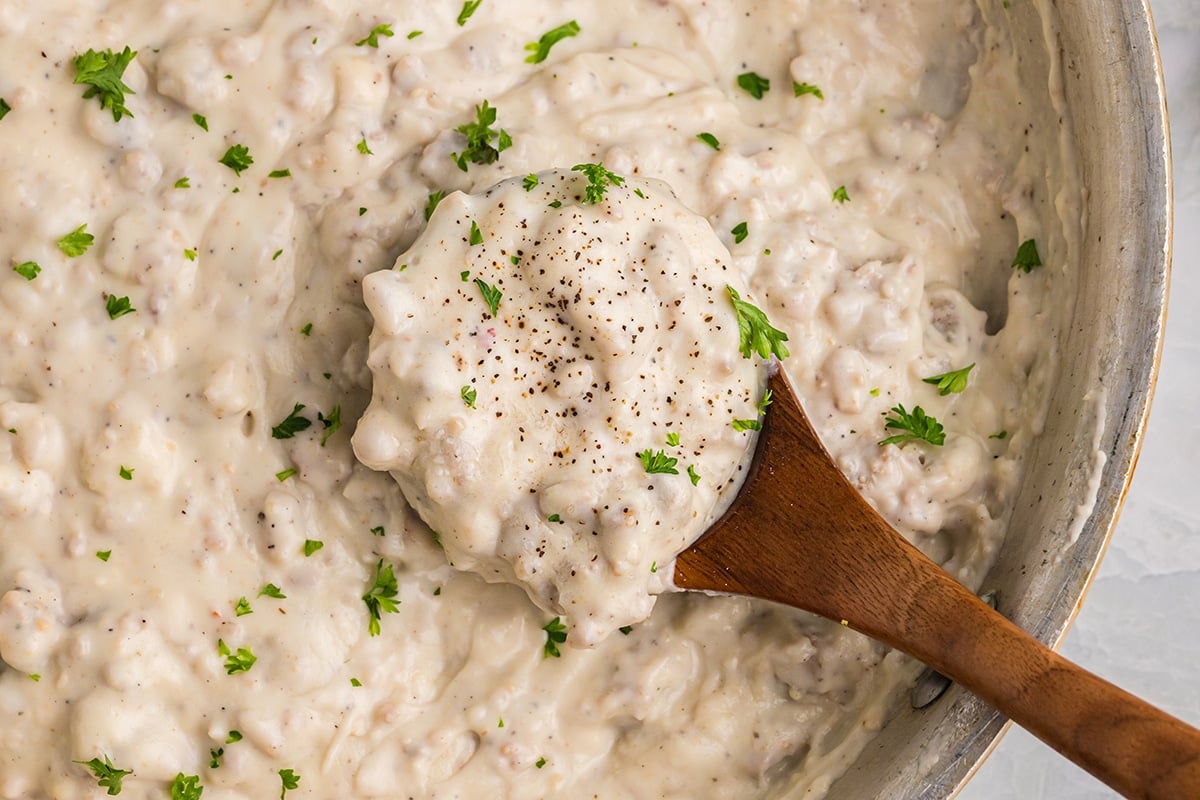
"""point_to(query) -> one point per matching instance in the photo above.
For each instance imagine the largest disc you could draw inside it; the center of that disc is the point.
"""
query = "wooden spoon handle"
(1124, 741)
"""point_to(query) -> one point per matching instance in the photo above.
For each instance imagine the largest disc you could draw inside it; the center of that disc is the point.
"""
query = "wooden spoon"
(798, 533)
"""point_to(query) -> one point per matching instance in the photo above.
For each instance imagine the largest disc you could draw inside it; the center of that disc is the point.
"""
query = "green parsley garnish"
(766, 401)
(364, 148)
(242, 607)
(841, 195)
(380, 597)
(917, 427)
(190, 254)
(432, 203)
(556, 634)
(658, 463)
(306, 329)
(186, 787)
(468, 395)
(289, 780)
(183, 183)
(271, 590)
(1027, 256)
(693, 475)
(599, 180)
(491, 295)
(672, 439)
(755, 332)
(118, 306)
(200, 120)
(469, 7)
(555, 204)
(709, 140)
(292, 424)
(362, 210)
(800, 89)
(541, 48)
(29, 270)
(951, 382)
(476, 237)
(465, 275)
(332, 423)
(626, 629)
(77, 242)
(529, 182)
(4, 108)
(372, 38)
(414, 34)
(541, 762)
(237, 158)
(555, 518)
(479, 134)
(740, 232)
(241, 661)
(999, 435)
(311, 546)
(754, 83)
(275, 256)
(101, 73)
(234, 736)
(107, 776)
(279, 173)
(740, 425)
(378, 530)
(283, 475)
(355, 682)
(125, 472)
(104, 555)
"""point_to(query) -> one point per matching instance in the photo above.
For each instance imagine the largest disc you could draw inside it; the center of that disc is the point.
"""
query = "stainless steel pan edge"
(1112, 82)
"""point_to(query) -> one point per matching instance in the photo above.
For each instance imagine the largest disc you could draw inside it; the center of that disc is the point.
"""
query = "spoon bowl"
(798, 533)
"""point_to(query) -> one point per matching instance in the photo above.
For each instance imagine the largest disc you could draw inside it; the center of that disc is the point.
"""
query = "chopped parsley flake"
(740, 425)
(28, 270)
(529, 182)
(917, 427)
(104, 555)
(672, 439)
(740, 232)
(479, 135)
(709, 140)
(186, 787)
(951, 382)
(288, 780)
(237, 158)
(364, 148)
(183, 183)
(599, 180)
(476, 234)
(800, 89)
(372, 38)
(200, 120)
(271, 590)
(555, 518)
(1027, 256)
(242, 607)
(555, 204)
(190, 254)
(658, 463)
(541, 762)
(469, 7)
(107, 776)
(556, 634)
(118, 306)
(491, 295)
(626, 629)
(77, 242)
(362, 210)
(332, 423)
(292, 424)
(999, 435)
(414, 34)
(540, 49)
(840, 195)
(235, 662)
(306, 329)
(465, 276)
(355, 682)
(432, 203)
(126, 473)
(755, 332)
(754, 83)
(379, 599)
(279, 173)
(378, 530)
(101, 72)
(468, 396)
(4, 108)
(640, 193)
(766, 401)
(693, 475)
(311, 546)
(233, 737)
(275, 256)
(283, 475)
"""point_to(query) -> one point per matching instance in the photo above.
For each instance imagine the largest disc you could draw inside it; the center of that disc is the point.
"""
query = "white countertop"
(1140, 624)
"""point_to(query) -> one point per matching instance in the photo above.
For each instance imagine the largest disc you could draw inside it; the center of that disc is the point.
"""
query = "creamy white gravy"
(146, 507)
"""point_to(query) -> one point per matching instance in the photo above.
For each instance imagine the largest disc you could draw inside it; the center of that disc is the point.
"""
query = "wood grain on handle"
(800, 534)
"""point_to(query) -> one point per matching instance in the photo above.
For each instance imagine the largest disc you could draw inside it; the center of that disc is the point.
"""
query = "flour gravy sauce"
(201, 585)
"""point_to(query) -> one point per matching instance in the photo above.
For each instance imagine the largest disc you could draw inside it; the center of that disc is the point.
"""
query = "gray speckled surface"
(1140, 624)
